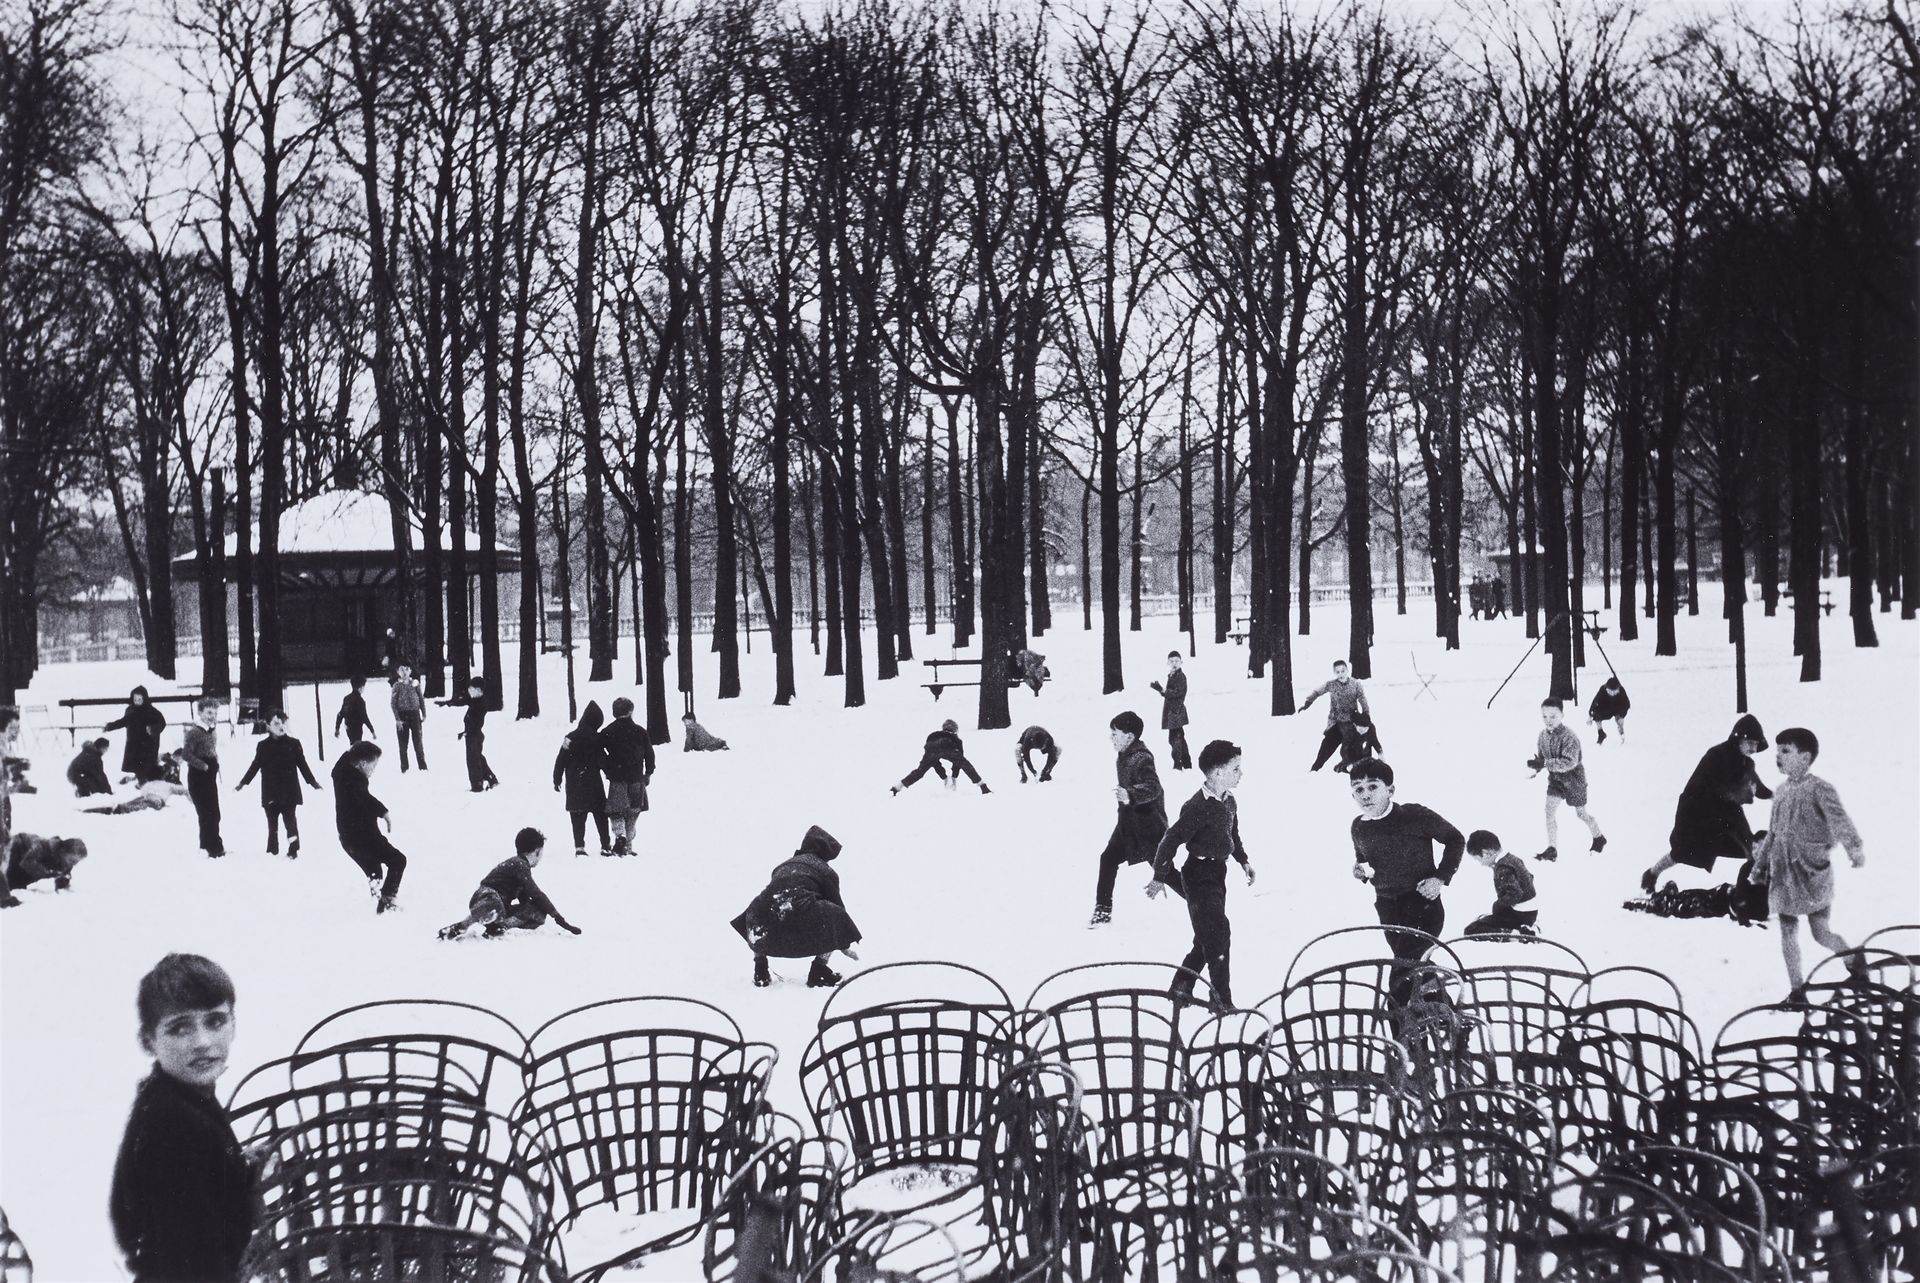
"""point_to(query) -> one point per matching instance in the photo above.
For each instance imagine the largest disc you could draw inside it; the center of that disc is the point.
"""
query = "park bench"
(1826, 600)
(937, 685)
(1243, 629)
(73, 706)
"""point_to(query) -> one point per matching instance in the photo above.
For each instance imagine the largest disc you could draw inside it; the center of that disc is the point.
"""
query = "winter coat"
(630, 757)
(1609, 702)
(353, 714)
(1142, 819)
(144, 724)
(1344, 699)
(182, 1204)
(1709, 822)
(87, 773)
(1173, 705)
(1796, 857)
(943, 744)
(280, 763)
(580, 763)
(356, 811)
(800, 913)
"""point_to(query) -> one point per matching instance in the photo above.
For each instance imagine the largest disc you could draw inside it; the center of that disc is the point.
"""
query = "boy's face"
(192, 1045)
(205, 716)
(278, 726)
(1225, 776)
(533, 856)
(1551, 715)
(1791, 761)
(1173, 663)
(367, 765)
(1339, 672)
(1119, 738)
(403, 672)
(1489, 857)
(7, 734)
(1372, 796)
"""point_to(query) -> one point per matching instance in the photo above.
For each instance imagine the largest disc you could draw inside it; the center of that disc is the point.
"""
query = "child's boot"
(761, 976)
(984, 788)
(387, 904)
(293, 848)
(1647, 880)
(1599, 843)
(579, 851)
(1549, 855)
(1101, 916)
(822, 976)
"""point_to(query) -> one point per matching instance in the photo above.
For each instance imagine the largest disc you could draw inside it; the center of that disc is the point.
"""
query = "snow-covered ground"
(1003, 883)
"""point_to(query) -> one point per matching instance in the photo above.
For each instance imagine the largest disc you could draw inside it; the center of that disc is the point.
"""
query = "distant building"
(99, 613)
(339, 582)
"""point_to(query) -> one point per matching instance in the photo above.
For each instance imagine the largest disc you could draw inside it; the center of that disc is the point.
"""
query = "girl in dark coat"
(1710, 820)
(578, 766)
(143, 724)
(800, 913)
(280, 763)
(359, 816)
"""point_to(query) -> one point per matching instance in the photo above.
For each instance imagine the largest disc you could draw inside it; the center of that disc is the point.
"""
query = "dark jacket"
(580, 762)
(800, 914)
(512, 880)
(1209, 827)
(353, 714)
(1608, 703)
(356, 811)
(182, 1204)
(1173, 697)
(144, 724)
(1512, 882)
(629, 752)
(473, 722)
(88, 773)
(200, 749)
(1709, 822)
(1142, 819)
(1399, 846)
(280, 763)
(943, 744)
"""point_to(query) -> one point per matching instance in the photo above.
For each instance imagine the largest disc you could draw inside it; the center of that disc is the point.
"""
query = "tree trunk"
(960, 565)
(215, 672)
(1859, 518)
(929, 589)
(1183, 556)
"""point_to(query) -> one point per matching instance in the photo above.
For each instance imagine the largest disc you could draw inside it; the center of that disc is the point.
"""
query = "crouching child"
(1513, 911)
(800, 913)
(183, 1201)
(508, 899)
(28, 858)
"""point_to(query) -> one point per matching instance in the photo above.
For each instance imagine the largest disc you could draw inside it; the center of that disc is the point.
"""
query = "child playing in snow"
(1795, 858)
(1358, 739)
(409, 715)
(508, 898)
(1346, 700)
(943, 751)
(578, 767)
(280, 763)
(1557, 752)
(629, 766)
(353, 712)
(153, 793)
(800, 913)
(1035, 739)
(1209, 827)
(1141, 819)
(1173, 712)
(1393, 850)
(480, 776)
(699, 738)
(1609, 702)
(87, 772)
(27, 858)
(359, 816)
(1512, 889)
(182, 1204)
(201, 752)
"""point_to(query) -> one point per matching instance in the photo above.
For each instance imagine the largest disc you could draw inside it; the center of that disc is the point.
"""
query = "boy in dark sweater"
(1393, 849)
(1173, 712)
(1035, 739)
(353, 712)
(943, 746)
(359, 817)
(201, 752)
(480, 776)
(1209, 827)
(1142, 810)
(508, 898)
(1512, 889)
(280, 763)
(87, 772)
(182, 1204)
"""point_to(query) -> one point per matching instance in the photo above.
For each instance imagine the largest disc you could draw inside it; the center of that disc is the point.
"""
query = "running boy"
(280, 763)
(1393, 849)
(1173, 712)
(201, 752)
(508, 898)
(1795, 858)
(1512, 911)
(359, 816)
(1557, 752)
(942, 746)
(1610, 702)
(480, 776)
(409, 715)
(353, 711)
(1345, 699)
(182, 1204)
(1142, 810)
(1209, 827)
